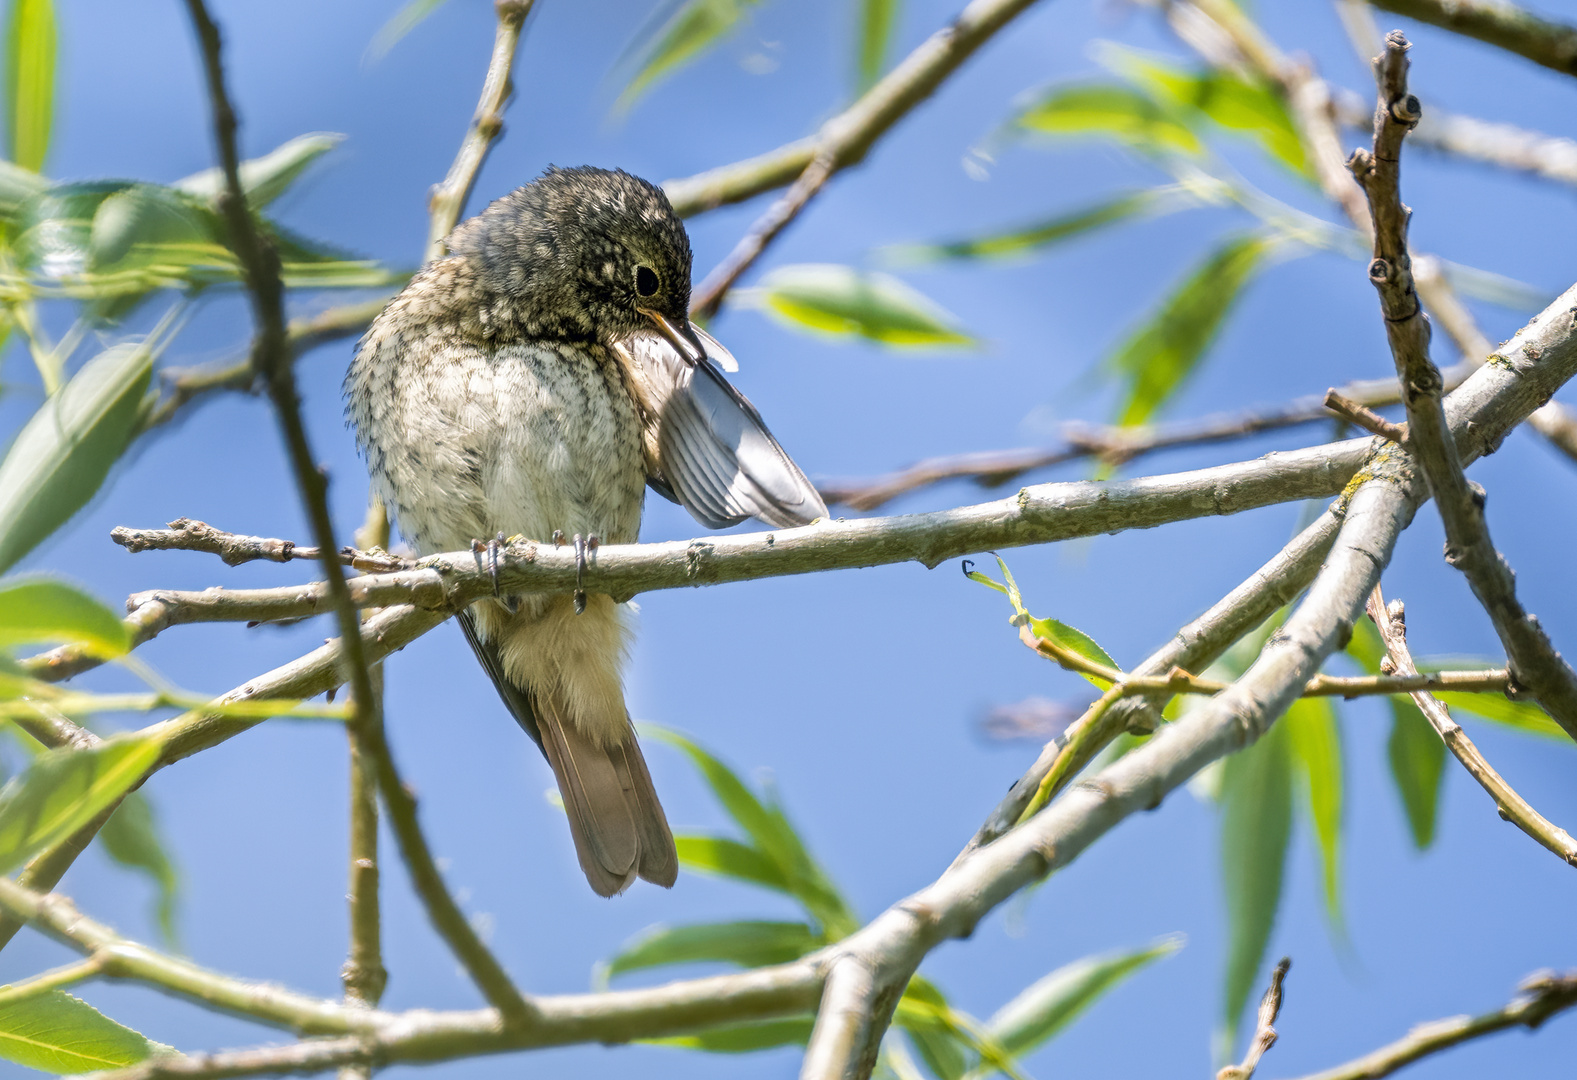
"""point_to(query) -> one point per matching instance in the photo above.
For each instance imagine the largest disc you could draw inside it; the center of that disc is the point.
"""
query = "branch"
(448, 199)
(849, 136)
(1544, 995)
(271, 355)
(1364, 417)
(1498, 23)
(1513, 807)
(185, 534)
(1111, 445)
(1531, 656)
(1264, 1029)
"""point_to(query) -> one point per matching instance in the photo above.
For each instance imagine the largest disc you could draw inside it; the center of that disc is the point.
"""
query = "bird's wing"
(710, 446)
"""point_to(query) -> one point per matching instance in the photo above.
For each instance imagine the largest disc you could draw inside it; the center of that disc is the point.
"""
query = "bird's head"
(585, 253)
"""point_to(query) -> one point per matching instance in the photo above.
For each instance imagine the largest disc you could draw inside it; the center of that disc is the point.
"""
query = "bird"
(533, 381)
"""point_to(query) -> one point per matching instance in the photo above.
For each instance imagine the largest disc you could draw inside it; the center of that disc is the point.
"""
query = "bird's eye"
(646, 281)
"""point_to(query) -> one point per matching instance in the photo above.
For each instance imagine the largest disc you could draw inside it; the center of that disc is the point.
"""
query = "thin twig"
(271, 355)
(1514, 808)
(1364, 417)
(1531, 656)
(1543, 995)
(186, 534)
(448, 199)
(1499, 23)
(63, 976)
(1264, 1026)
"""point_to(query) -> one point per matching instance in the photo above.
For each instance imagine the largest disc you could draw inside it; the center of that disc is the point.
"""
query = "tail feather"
(618, 825)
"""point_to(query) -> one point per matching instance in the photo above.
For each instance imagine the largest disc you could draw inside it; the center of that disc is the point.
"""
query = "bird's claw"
(582, 546)
(492, 548)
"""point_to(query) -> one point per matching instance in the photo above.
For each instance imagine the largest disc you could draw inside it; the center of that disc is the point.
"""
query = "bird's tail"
(558, 675)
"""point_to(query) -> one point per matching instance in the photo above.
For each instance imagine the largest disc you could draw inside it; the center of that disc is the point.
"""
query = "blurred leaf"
(1227, 99)
(1316, 741)
(41, 610)
(131, 838)
(843, 301)
(692, 27)
(408, 18)
(17, 185)
(1060, 633)
(743, 1038)
(729, 858)
(1110, 111)
(1524, 716)
(1418, 758)
(1158, 356)
(1047, 1006)
(774, 838)
(266, 178)
(30, 81)
(1496, 288)
(746, 944)
(1153, 201)
(924, 1014)
(1256, 826)
(877, 20)
(64, 452)
(57, 1033)
(62, 789)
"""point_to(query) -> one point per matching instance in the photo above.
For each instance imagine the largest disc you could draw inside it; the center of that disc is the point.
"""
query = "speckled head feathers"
(578, 251)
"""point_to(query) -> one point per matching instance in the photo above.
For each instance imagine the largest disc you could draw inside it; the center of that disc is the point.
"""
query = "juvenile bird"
(533, 382)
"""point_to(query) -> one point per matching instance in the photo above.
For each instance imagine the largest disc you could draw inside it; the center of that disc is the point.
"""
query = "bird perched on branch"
(533, 382)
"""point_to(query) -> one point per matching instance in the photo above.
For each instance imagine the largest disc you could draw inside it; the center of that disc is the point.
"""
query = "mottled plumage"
(532, 382)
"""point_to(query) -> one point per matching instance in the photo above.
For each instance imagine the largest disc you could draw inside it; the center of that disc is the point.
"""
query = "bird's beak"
(681, 335)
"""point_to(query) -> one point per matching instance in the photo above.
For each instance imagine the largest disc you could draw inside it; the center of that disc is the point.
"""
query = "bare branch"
(1264, 1026)
(185, 534)
(1364, 417)
(1543, 995)
(1498, 23)
(1513, 807)
(1532, 657)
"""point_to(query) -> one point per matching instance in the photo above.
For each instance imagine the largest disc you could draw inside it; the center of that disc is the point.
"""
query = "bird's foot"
(492, 548)
(582, 546)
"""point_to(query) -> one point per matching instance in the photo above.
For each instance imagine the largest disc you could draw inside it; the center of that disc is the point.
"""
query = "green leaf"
(30, 81)
(773, 836)
(1524, 716)
(1068, 637)
(131, 838)
(692, 27)
(743, 1038)
(65, 451)
(57, 1033)
(1166, 348)
(402, 22)
(17, 185)
(1316, 741)
(745, 944)
(877, 20)
(1227, 99)
(1110, 111)
(1418, 758)
(1054, 230)
(1256, 826)
(266, 178)
(62, 789)
(845, 302)
(729, 858)
(925, 1017)
(1047, 1006)
(47, 610)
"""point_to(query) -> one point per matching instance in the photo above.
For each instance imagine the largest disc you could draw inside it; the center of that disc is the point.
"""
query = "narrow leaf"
(1049, 1005)
(265, 178)
(745, 944)
(1256, 826)
(1112, 111)
(402, 22)
(1524, 716)
(845, 302)
(1166, 348)
(1417, 756)
(729, 858)
(922, 1013)
(61, 1034)
(132, 839)
(1054, 230)
(1068, 637)
(1316, 741)
(65, 451)
(877, 21)
(17, 185)
(47, 610)
(30, 81)
(744, 1038)
(62, 789)
(692, 27)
